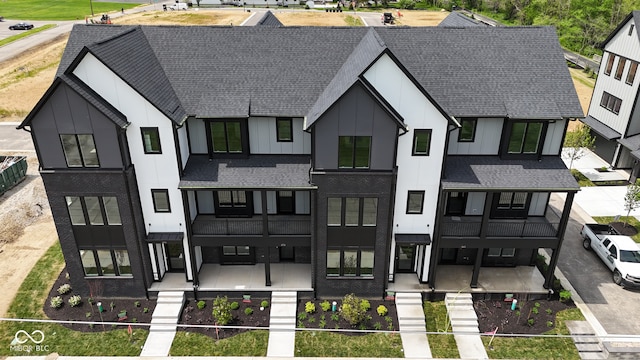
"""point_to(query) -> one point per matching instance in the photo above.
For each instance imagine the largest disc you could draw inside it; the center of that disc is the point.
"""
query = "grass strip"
(59, 9)
(442, 346)
(311, 343)
(23, 34)
(251, 343)
(631, 220)
(582, 180)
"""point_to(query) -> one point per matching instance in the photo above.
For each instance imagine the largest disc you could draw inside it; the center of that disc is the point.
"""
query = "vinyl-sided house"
(356, 153)
(614, 112)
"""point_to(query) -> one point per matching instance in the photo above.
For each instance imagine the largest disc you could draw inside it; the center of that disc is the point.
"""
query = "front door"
(238, 255)
(175, 256)
(287, 254)
(405, 258)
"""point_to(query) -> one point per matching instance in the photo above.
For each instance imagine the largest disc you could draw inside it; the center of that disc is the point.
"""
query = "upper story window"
(93, 210)
(235, 199)
(226, 137)
(357, 211)
(631, 75)
(525, 138)
(415, 202)
(467, 132)
(160, 200)
(151, 140)
(610, 102)
(421, 142)
(609, 67)
(630, 30)
(620, 68)
(284, 129)
(354, 152)
(79, 150)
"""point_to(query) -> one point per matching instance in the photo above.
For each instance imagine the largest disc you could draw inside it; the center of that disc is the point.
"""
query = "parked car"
(619, 253)
(21, 26)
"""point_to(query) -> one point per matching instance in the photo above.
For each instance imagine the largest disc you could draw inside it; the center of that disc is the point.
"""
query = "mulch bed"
(138, 310)
(628, 230)
(324, 320)
(494, 314)
(191, 315)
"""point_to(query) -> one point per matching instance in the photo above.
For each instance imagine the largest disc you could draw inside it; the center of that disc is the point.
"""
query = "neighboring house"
(457, 19)
(614, 112)
(363, 153)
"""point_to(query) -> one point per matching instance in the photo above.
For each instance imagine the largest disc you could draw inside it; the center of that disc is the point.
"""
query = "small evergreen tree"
(631, 199)
(221, 311)
(576, 143)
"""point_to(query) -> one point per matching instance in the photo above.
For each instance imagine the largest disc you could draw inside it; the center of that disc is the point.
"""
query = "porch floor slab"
(519, 279)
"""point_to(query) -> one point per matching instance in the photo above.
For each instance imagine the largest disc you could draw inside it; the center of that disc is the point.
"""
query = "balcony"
(469, 226)
(277, 225)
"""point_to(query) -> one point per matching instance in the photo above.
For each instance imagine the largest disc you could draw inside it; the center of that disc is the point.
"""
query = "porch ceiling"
(469, 173)
(253, 172)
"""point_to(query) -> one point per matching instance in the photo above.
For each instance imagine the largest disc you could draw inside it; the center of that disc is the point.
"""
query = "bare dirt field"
(26, 225)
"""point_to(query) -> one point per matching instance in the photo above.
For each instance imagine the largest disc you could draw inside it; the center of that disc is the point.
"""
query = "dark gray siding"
(604, 148)
(379, 185)
(65, 112)
(355, 114)
(102, 183)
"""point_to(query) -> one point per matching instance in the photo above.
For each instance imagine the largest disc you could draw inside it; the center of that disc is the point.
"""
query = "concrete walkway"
(282, 324)
(163, 323)
(412, 325)
(464, 324)
(583, 335)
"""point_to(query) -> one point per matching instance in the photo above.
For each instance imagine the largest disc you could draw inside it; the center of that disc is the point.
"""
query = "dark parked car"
(21, 26)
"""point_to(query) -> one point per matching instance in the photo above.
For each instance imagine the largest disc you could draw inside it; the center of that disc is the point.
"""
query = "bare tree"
(577, 142)
(631, 199)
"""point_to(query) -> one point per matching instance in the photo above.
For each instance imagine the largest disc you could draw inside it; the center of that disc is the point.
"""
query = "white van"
(178, 6)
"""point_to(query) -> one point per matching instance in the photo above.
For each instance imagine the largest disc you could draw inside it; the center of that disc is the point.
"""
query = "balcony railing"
(470, 227)
(277, 225)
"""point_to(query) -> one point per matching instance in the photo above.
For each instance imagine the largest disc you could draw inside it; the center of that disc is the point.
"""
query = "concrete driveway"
(616, 308)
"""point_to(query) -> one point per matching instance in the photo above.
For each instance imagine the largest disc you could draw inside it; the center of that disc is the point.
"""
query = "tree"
(577, 142)
(631, 199)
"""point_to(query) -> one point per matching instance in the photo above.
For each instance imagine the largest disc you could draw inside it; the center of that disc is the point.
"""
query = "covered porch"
(216, 277)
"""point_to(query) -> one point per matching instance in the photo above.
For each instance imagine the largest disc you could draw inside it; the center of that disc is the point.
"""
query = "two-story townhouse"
(406, 150)
(614, 112)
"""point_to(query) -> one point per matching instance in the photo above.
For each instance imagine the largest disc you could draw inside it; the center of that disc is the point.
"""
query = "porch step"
(460, 314)
(409, 299)
(587, 344)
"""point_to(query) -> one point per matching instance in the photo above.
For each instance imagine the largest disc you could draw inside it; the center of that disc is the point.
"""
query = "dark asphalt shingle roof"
(268, 19)
(255, 172)
(456, 19)
(632, 142)
(602, 129)
(491, 172)
(285, 71)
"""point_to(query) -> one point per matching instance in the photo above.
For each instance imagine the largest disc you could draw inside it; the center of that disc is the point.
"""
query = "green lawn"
(57, 10)
(630, 220)
(28, 304)
(442, 346)
(251, 343)
(329, 344)
(537, 347)
(581, 179)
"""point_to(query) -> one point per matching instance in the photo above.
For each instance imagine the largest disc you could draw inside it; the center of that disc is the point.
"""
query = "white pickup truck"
(618, 252)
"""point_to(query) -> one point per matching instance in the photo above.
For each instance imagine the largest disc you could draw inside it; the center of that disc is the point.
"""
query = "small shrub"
(549, 323)
(91, 301)
(377, 326)
(390, 327)
(56, 302)
(145, 310)
(517, 312)
(87, 315)
(201, 304)
(221, 311)
(75, 300)
(312, 319)
(264, 304)
(322, 318)
(302, 316)
(335, 317)
(382, 310)
(565, 295)
(322, 324)
(91, 326)
(66, 276)
(365, 305)
(134, 320)
(234, 305)
(310, 307)
(325, 305)
(248, 311)
(535, 310)
(136, 303)
(112, 305)
(64, 289)
(351, 310)
(531, 321)
(300, 324)
(362, 327)
(549, 311)
(536, 305)
(388, 319)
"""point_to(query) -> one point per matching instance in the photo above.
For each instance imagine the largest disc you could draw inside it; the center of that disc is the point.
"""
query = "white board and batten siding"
(554, 138)
(476, 200)
(153, 171)
(302, 202)
(263, 137)
(486, 141)
(197, 136)
(419, 173)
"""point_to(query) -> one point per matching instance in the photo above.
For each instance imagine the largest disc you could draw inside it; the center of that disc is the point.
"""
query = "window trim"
(279, 133)
(153, 198)
(415, 192)
(416, 132)
(79, 149)
(343, 202)
(473, 130)
(630, 30)
(209, 123)
(96, 259)
(610, 60)
(153, 131)
(341, 267)
(631, 75)
(616, 101)
(354, 153)
(622, 62)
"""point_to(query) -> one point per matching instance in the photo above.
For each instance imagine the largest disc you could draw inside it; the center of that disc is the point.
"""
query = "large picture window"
(421, 142)
(226, 137)
(611, 103)
(93, 210)
(105, 262)
(151, 140)
(79, 150)
(525, 138)
(354, 211)
(354, 152)
(350, 262)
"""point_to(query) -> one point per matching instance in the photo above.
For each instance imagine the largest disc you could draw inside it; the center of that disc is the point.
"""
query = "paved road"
(616, 308)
